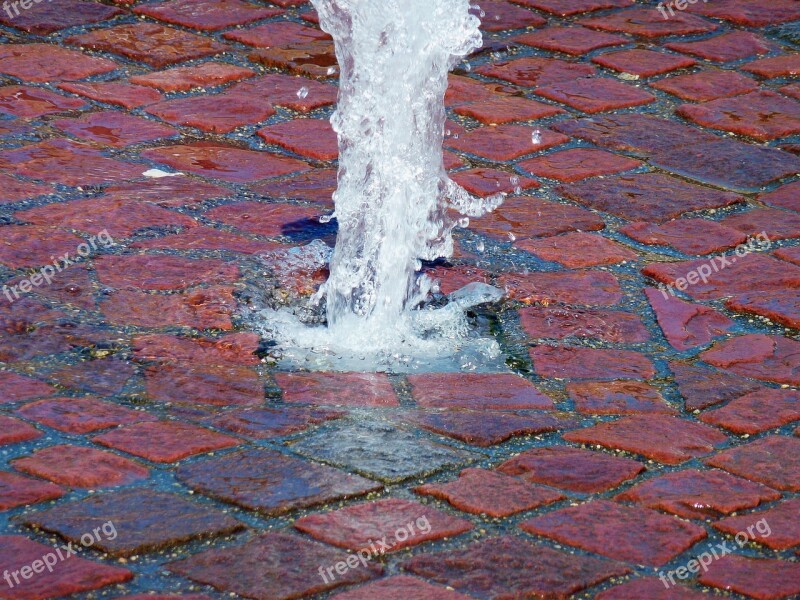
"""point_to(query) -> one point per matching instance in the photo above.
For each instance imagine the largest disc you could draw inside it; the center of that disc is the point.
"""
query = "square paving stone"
(632, 534)
(786, 65)
(745, 115)
(506, 109)
(774, 460)
(183, 79)
(505, 142)
(648, 23)
(400, 587)
(654, 197)
(228, 163)
(695, 494)
(13, 431)
(768, 358)
(590, 363)
(727, 47)
(706, 85)
(756, 412)
(567, 8)
(381, 451)
(482, 428)
(728, 163)
(276, 33)
(483, 182)
(644, 63)
(480, 391)
(578, 250)
(690, 236)
(69, 577)
(527, 217)
(508, 567)
(77, 466)
(479, 491)
(314, 138)
(358, 526)
(153, 44)
(784, 526)
(594, 95)
(686, 325)
(220, 113)
(341, 389)
(263, 423)
(750, 13)
(270, 482)
(536, 70)
(113, 92)
(589, 288)
(81, 415)
(703, 386)
(664, 438)
(576, 41)
(755, 272)
(617, 398)
(207, 15)
(145, 521)
(55, 15)
(165, 441)
(578, 163)
(196, 383)
(116, 129)
(233, 349)
(759, 578)
(16, 490)
(274, 566)
(48, 63)
(650, 588)
(572, 469)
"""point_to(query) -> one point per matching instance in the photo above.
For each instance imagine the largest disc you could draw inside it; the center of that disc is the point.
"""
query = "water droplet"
(512, 237)
(480, 246)
(518, 190)
(331, 70)
(463, 223)
(302, 92)
(514, 180)
(536, 137)
(467, 67)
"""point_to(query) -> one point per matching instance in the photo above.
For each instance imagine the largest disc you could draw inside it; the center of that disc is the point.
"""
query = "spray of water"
(395, 204)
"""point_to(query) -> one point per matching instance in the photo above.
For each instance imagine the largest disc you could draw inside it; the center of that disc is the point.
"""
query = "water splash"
(395, 204)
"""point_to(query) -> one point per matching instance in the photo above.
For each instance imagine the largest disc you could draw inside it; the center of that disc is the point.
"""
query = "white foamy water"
(395, 204)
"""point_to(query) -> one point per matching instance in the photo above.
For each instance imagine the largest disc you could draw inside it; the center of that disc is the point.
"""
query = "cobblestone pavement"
(650, 251)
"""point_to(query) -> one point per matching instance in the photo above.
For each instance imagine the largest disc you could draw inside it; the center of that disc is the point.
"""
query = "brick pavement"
(640, 429)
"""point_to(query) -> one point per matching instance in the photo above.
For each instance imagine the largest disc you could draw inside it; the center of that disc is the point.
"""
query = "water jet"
(395, 205)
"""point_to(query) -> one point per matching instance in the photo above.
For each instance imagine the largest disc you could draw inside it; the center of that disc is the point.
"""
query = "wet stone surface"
(272, 483)
(380, 451)
(145, 520)
(637, 152)
(620, 532)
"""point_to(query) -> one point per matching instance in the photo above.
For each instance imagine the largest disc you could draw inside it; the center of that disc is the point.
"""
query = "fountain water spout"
(395, 204)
